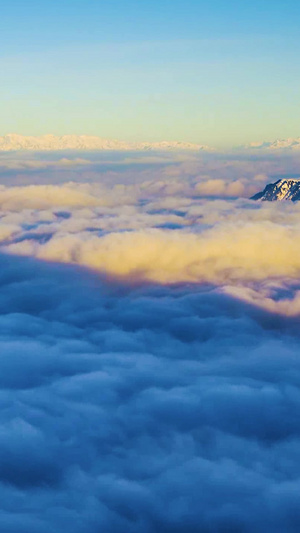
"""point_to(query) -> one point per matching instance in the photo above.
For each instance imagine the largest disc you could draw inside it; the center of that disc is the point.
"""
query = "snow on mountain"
(13, 142)
(284, 189)
(279, 144)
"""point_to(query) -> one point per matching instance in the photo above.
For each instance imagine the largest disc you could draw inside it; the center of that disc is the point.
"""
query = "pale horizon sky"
(221, 74)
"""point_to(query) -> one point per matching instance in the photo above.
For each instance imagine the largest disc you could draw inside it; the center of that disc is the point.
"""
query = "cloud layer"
(154, 232)
(147, 409)
(149, 368)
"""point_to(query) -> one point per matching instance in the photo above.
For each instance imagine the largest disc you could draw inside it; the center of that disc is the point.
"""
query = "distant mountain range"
(279, 144)
(284, 189)
(14, 142)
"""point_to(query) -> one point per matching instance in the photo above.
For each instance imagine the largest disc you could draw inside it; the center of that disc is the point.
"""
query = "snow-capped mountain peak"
(284, 189)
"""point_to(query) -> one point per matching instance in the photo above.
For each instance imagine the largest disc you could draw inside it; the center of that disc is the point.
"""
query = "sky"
(149, 308)
(218, 73)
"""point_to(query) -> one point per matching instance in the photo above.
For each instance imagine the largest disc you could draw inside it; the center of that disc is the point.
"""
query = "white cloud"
(167, 237)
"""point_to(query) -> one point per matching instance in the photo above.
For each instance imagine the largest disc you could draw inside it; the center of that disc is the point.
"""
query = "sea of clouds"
(149, 345)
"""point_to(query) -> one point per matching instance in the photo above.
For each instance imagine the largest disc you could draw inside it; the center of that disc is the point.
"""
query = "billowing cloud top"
(153, 232)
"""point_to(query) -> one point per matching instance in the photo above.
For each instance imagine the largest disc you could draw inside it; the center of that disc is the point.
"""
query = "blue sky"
(221, 73)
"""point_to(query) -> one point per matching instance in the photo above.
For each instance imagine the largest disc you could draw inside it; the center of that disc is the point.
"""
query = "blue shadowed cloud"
(154, 409)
